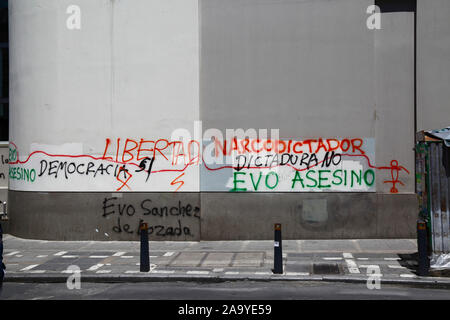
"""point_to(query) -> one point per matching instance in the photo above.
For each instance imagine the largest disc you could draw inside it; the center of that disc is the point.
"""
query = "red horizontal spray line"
(371, 165)
(91, 157)
(187, 165)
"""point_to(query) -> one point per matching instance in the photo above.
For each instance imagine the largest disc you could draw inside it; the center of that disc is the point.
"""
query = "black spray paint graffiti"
(57, 168)
(4, 161)
(145, 210)
(305, 161)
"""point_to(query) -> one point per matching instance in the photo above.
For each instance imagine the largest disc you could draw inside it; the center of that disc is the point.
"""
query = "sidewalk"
(305, 260)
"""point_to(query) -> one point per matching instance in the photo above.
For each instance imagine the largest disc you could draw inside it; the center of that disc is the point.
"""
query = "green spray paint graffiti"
(321, 179)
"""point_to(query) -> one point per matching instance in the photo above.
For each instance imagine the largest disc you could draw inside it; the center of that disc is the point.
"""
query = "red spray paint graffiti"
(142, 154)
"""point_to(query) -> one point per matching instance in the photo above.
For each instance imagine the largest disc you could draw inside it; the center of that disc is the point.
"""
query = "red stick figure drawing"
(395, 169)
(124, 183)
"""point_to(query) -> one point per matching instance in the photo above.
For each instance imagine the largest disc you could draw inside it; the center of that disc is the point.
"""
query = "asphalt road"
(235, 290)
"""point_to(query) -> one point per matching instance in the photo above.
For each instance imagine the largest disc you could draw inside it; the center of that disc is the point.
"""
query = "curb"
(138, 278)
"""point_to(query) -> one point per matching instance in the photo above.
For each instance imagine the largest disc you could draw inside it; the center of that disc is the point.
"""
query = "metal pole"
(145, 255)
(278, 252)
(422, 248)
(2, 266)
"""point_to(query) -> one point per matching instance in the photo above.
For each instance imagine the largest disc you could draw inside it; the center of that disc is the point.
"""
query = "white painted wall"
(130, 71)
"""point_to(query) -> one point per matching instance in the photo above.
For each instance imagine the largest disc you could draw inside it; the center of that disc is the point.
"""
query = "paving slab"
(188, 259)
(248, 259)
(36, 260)
(218, 259)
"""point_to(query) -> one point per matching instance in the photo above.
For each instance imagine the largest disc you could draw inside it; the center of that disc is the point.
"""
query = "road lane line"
(163, 271)
(95, 267)
(396, 267)
(118, 254)
(29, 267)
(347, 255)
(297, 273)
(197, 272)
(11, 253)
(98, 257)
(60, 253)
(71, 271)
(407, 275)
(168, 254)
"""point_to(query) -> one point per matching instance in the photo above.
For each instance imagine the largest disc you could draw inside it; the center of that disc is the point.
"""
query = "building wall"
(433, 64)
(151, 69)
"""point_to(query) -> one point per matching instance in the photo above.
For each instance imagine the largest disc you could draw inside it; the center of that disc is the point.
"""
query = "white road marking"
(262, 273)
(392, 259)
(297, 273)
(103, 271)
(407, 275)
(118, 254)
(332, 258)
(351, 263)
(11, 253)
(132, 271)
(38, 271)
(42, 298)
(95, 267)
(71, 271)
(366, 265)
(19, 256)
(126, 257)
(168, 254)
(42, 256)
(396, 267)
(197, 272)
(354, 270)
(163, 271)
(60, 253)
(352, 266)
(98, 257)
(347, 255)
(232, 272)
(29, 267)
(372, 266)
(69, 257)
(218, 270)
(364, 259)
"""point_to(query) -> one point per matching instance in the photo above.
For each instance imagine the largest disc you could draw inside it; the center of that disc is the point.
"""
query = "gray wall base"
(224, 216)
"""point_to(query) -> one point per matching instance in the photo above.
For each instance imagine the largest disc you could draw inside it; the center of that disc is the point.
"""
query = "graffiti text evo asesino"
(215, 164)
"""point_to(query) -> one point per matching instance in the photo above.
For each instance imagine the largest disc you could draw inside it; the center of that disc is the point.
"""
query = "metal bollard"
(2, 266)
(424, 263)
(145, 254)
(278, 252)
(3, 215)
